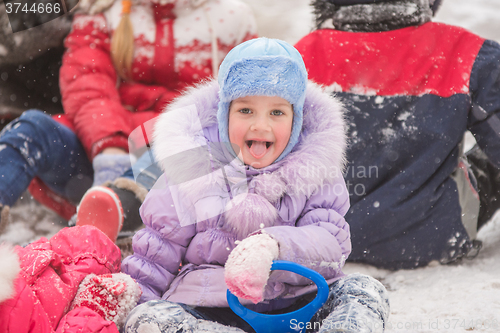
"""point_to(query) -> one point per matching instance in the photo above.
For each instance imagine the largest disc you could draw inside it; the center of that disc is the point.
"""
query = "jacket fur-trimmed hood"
(321, 145)
(317, 159)
(10, 269)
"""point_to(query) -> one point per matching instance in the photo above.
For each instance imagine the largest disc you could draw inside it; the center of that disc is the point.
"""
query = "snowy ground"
(455, 298)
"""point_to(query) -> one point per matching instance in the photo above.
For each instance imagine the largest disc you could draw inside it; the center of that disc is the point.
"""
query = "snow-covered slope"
(456, 298)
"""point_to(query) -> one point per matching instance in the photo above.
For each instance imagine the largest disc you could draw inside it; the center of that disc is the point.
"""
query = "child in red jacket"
(109, 89)
(70, 283)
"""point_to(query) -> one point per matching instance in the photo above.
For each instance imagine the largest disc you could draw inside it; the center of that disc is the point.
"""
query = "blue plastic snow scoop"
(295, 321)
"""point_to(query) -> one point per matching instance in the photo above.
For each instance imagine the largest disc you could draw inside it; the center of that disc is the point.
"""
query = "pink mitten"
(249, 265)
(112, 296)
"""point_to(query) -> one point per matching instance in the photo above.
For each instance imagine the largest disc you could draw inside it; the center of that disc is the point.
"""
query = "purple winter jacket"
(197, 210)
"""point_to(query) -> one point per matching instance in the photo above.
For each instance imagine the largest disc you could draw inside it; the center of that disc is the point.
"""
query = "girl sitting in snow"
(251, 175)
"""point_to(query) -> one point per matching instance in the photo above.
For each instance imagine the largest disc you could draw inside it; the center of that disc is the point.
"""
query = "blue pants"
(36, 145)
(356, 303)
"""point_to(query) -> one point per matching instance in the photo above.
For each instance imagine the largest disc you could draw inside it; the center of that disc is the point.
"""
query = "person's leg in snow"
(164, 316)
(115, 205)
(356, 303)
(113, 208)
(36, 145)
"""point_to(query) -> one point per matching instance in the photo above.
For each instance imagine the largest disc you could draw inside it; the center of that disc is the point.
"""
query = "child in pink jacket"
(69, 283)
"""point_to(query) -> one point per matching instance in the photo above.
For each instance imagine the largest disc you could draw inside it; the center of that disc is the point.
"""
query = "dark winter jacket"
(411, 94)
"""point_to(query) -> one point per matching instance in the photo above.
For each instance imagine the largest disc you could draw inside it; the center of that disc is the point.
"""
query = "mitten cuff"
(112, 296)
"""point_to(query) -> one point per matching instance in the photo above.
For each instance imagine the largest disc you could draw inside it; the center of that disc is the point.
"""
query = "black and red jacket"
(411, 94)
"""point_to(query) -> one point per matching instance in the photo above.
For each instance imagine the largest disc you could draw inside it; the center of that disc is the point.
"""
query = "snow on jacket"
(300, 201)
(174, 42)
(411, 94)
(38, 282)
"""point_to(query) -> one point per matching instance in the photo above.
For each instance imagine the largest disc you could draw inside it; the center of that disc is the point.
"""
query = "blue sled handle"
(295, 321)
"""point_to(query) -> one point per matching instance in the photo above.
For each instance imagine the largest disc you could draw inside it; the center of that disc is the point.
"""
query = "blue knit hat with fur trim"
(263, 67)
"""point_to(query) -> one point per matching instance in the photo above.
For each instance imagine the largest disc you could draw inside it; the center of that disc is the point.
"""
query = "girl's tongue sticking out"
(257, 148)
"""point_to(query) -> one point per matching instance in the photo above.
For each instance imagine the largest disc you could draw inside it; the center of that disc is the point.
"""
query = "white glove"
(248, 267)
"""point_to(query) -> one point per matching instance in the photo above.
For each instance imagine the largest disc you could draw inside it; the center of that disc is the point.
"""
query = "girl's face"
(261, 127)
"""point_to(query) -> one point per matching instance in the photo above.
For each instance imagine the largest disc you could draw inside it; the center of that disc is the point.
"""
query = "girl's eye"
(276, 113)
(245, 111)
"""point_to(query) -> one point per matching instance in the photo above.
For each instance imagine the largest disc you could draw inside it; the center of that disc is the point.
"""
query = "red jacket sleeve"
(88, 85)
(84, 320)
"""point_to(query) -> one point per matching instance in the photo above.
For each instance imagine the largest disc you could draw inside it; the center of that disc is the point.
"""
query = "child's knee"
(353, 283)
(34, 116)
(365, 290)
(158, 316)
(360, 304)
(39, 122)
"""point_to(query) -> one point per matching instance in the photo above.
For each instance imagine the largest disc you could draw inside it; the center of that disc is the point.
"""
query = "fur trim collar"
(317, 158)
(185, 145)
(10, 269)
